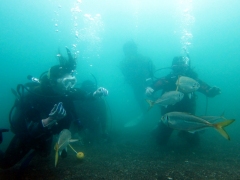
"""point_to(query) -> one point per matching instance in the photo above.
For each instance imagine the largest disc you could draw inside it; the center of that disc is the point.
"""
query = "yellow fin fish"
(220, 127)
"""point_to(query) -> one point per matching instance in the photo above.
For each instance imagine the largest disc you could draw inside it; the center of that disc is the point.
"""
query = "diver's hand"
(57, 113)
(100, 92)
(213, 91)
(149, 91)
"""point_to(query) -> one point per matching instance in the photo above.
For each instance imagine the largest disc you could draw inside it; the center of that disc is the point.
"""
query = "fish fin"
(73, 140)
(219, 127)
(187, 113)
(222, 115)
(198, 130)
(151, 103)
(56, 154)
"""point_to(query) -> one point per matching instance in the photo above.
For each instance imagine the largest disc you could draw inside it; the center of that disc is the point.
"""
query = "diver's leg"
(139, 93)
(16, 150)
(44, 147)
(162, 133)
(27, 160)
(191, 138)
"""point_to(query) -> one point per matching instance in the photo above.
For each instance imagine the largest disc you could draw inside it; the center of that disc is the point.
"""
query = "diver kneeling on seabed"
(42, 109)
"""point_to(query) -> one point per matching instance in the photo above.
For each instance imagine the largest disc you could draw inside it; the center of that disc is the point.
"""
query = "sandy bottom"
(133, 159)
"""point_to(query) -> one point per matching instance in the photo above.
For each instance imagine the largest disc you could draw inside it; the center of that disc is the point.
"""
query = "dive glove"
(100, 92)
(149, 91)
(58, 112)
(213, 91)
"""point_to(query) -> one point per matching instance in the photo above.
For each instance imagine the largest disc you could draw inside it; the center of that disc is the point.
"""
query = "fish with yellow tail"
(63, 141)
(187, 122)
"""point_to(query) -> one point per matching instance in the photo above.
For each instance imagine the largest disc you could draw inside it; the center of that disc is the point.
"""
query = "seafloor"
(136, 157)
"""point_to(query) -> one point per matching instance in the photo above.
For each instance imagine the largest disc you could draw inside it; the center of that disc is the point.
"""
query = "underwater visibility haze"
(32, 33)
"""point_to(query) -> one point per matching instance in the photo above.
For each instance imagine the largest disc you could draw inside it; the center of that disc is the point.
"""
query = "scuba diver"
(42, 109)
(180, 67)
(137, 71)
(93, 125)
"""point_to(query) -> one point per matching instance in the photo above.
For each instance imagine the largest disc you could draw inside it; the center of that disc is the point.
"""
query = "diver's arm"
(78, 94)
(57, 113)
(24, 122)
(25, 119)
(208, 90)
(160, 83)
(157, 85)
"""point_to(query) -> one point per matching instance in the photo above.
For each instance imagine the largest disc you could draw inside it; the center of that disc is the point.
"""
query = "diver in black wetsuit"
(137, 71)
(93, 125)
(44, 109)
(180, 67)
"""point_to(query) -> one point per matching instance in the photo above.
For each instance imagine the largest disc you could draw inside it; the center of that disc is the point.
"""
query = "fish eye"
(195, 85)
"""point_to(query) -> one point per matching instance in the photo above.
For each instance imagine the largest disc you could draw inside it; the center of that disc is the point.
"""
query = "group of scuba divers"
(175, 94)
(45, 107)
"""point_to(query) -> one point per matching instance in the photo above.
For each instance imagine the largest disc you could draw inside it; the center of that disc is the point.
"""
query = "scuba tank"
(19, 93)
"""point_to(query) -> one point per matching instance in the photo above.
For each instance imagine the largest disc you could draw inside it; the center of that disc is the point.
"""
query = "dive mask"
(181, 64)
(68, 81)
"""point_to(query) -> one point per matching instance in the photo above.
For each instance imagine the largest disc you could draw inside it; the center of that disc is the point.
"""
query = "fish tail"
(151, 103)
(220, 127)
(56, 154)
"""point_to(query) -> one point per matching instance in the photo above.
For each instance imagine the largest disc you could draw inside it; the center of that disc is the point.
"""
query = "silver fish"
(168, 98)
(191, 123)
(186, 84)
(63, 141)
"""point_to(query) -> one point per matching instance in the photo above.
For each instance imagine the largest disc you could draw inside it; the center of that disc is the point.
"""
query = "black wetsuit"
(26, 122)
(93, 124)
(187, 104)
(136, 70)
